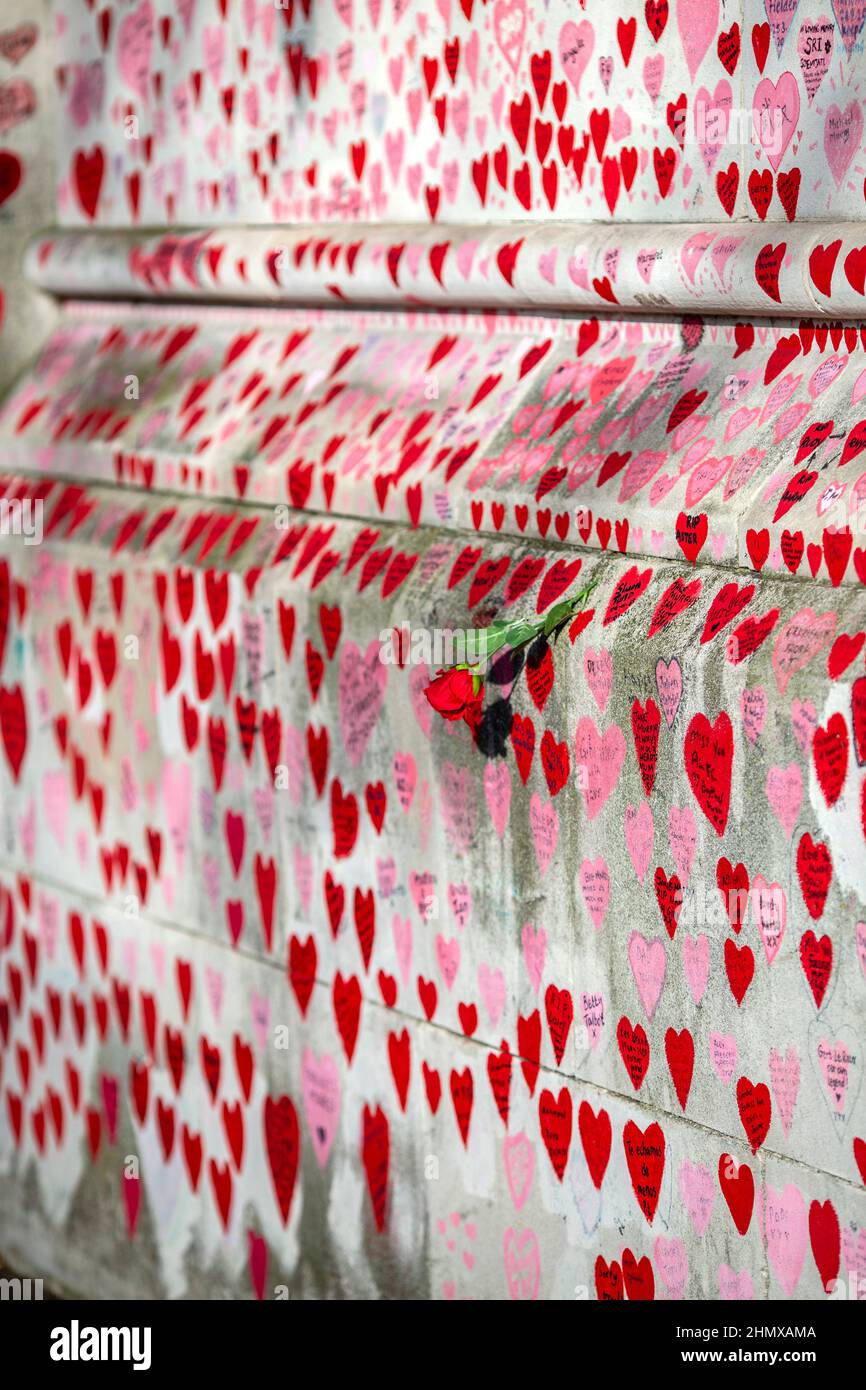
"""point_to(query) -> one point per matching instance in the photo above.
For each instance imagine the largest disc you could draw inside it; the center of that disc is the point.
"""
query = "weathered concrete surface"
(472, 941)
(27, 175)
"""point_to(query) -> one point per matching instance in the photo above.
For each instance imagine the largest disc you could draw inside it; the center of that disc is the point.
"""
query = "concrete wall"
(303, 990)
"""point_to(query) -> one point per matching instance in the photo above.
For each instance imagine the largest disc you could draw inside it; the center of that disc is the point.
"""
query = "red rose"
(453, 693)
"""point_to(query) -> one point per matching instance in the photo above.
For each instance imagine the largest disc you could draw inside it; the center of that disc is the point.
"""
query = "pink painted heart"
(698, 1190)
(669, 683)
(648, 961)
(595, 887)
(491, 983)
(598, 763)
(683, 838)
(497, 792)
(544, 824)
(320, 1085)
(753, 712)
(785, 1084)
(519, 1158)
(786, 1233)
(534, 951)
(361, 688)
(723, 1055)
(696, 962)
(785, 794)
(522, 1264)
(598, 671)
(639, 837)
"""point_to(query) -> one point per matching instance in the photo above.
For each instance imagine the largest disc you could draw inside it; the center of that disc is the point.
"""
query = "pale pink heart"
(786, 1232)
(697, 22)
(639, 836)
(595, 887)
(775, 113)
(83, 842)
(721, 253)
(519, 1157)
(176, 800)
(696, 961)
(509, 29)
(753, 711)
(458, 804)
(27, 831)
(419, 679)
(460, 902)
(854, 1254)
(425, 800)
(843, 135)
(849, 16)
(214, 49)
(598, 671)
(648, 961)
(815, 49)
(401, 930)
(294, 760)
(705, 477)
(465, 257)
(653, 75)
(544, 824)
(547, 266)
(405, 779)
(734, 1287)
(698, 1190)
(215, 990)
(592, 1013)
(492, 985)
(578, 269)
(837, 1060)
(135, 47)
(157, 956)
(860, 932)
(320, 1085)
(423, 891)
(56, 804)
(362, 681)
(711, 117)
(534, 950)
(785, 1084)
(260, 1011)
(669, 683)
(769, 904)
(785, 794)
(386, 876)
(394, 146)
(497, 792)
(471, 52)
(723, 1055)
(672, 1263)
(599, 761)
(576, 42)
(693, 251)
(799, 641)
(522, 1264)
(682, 837)
(822, 377)
(789, 420)
(448, 958)
(49, 923)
